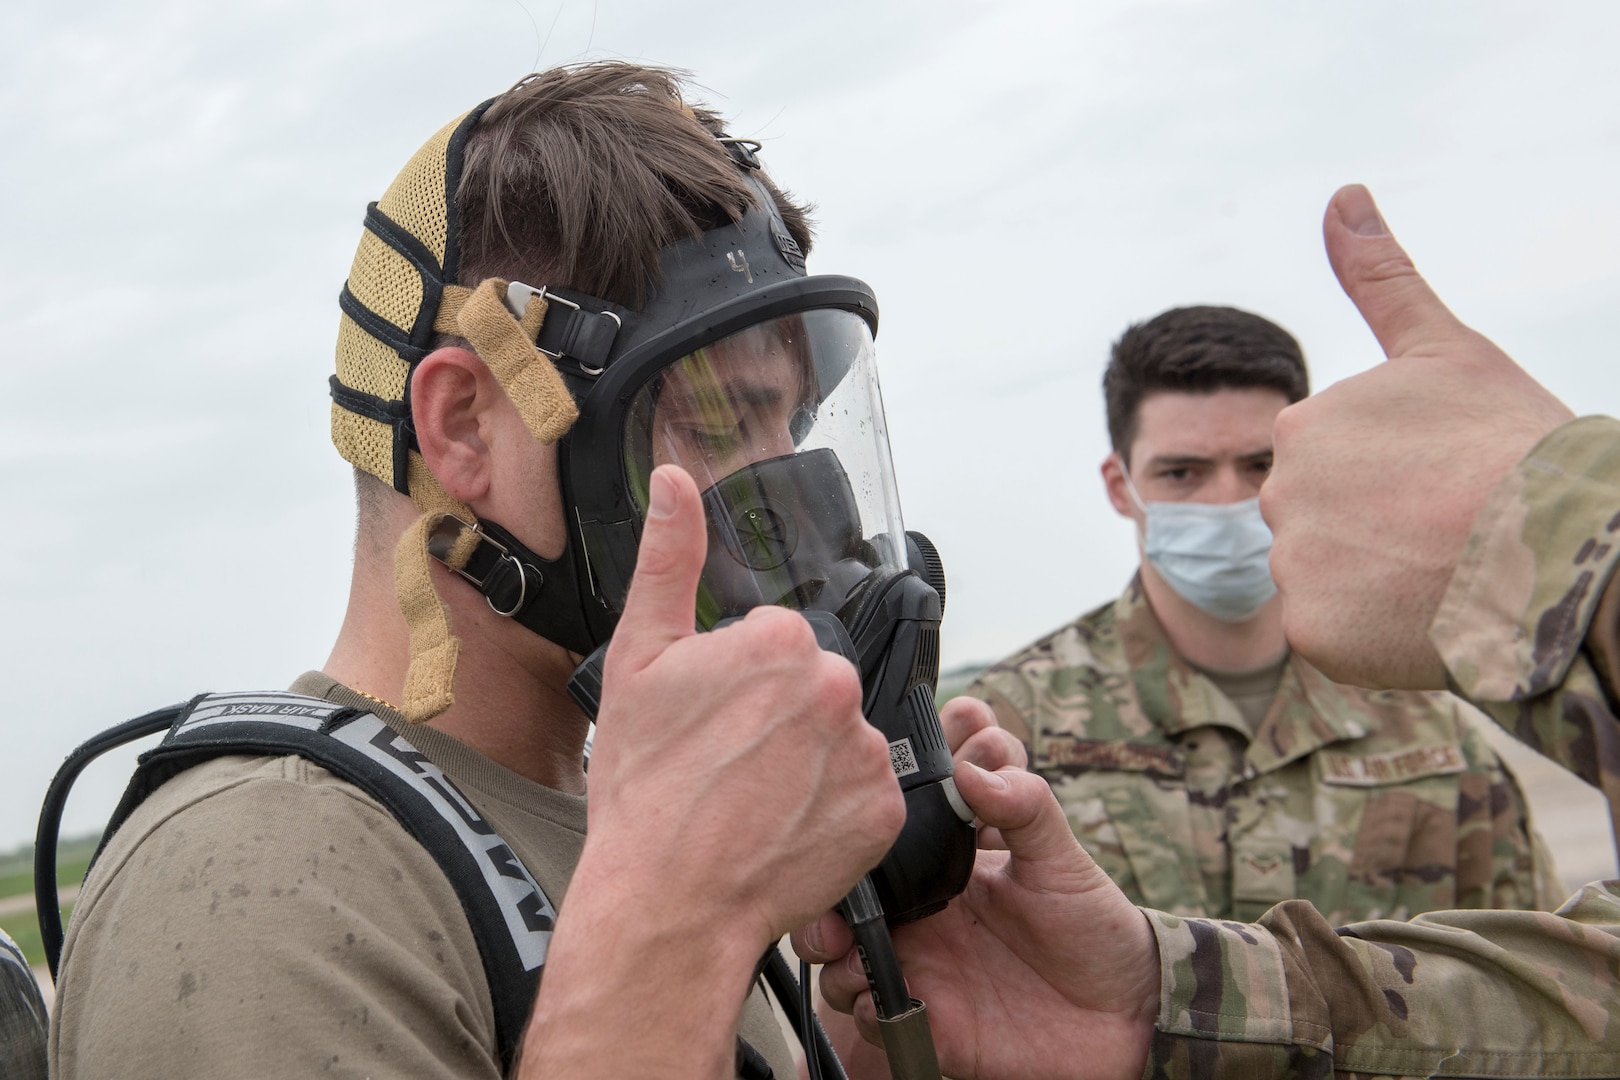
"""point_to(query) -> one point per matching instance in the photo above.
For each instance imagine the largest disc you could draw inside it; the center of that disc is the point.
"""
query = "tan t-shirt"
(259, 917)
(1251, 691)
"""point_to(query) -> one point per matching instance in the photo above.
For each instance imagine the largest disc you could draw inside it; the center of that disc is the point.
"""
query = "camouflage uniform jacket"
(1529, 630)
(1368, 804)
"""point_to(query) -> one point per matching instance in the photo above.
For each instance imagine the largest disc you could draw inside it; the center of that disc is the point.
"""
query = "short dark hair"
(581, 175)
(1197, 350)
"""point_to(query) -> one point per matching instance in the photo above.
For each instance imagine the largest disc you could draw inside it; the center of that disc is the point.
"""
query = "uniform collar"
(1309, 711)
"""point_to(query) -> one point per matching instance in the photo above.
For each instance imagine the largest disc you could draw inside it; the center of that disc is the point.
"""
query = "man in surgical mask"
(1207, 769)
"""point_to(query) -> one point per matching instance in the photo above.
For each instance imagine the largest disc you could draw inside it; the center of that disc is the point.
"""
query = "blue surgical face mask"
(1214, 555)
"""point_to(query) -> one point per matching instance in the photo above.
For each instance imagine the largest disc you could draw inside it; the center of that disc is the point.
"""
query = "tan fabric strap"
(430, 679)
(506, 346)
(451, 301)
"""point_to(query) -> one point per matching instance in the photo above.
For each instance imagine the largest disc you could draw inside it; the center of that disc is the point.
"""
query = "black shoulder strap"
(510, 915)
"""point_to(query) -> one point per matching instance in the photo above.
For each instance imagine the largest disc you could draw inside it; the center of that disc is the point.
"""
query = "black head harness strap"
(539, 593)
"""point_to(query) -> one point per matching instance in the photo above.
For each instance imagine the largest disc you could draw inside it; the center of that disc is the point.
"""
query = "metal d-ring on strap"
(518, 297)
(583, 366)
(443, 539)
(523, 588)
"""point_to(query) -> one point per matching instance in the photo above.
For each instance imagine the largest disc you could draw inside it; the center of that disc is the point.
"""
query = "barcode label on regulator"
(901, 758)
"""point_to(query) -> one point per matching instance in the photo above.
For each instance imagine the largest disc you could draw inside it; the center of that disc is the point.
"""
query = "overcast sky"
(183, 184)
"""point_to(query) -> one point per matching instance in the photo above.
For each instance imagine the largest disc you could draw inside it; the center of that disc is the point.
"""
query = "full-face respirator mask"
(761, 383)
(781, 425)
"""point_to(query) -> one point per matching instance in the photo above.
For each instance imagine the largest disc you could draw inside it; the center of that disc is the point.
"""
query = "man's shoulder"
(252, 777)
(1088, 643)
(1404, 734)
(1074, 683)
(272, 803)
(267, 895)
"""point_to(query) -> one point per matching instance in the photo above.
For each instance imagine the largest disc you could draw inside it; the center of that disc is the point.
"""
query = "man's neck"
(1201, 638)
(511, 699)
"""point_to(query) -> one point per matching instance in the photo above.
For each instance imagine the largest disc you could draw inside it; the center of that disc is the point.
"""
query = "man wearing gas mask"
(1209, 770)
(578, 349)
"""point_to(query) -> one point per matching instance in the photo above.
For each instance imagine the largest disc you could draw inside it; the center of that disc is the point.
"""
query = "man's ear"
(451, 391)
(1113, 474)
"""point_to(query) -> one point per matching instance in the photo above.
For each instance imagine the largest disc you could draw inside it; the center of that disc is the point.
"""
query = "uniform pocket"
(1403, 807)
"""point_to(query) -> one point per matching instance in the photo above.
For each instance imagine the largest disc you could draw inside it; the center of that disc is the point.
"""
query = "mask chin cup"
(518, 584)
(784, 531)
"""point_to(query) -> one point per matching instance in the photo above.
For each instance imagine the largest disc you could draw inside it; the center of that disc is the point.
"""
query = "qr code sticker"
(901, 758)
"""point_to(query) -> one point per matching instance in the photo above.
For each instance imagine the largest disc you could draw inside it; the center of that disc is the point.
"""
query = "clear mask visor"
(781, 425)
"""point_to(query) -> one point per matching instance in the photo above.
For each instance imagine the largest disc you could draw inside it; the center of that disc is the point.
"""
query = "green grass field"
(24, 930)
(17, 879)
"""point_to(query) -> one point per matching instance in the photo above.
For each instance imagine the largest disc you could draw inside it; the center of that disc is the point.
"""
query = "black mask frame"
(712, 286)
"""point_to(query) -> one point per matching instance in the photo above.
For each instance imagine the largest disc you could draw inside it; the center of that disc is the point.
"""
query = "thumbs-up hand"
(736, 763)
(735, 792)
(1378, 478)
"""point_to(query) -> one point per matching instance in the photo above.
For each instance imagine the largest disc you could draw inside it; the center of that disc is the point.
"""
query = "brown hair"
(1197, 350)
(579, 176)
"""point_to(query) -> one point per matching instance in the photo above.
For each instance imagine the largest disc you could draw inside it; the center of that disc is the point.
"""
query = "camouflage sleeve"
(1530, 627)
(1501, 862)
(1456, 993)
(1530, 631)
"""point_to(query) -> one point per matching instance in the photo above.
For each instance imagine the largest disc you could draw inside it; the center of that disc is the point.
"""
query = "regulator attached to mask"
(761, 383)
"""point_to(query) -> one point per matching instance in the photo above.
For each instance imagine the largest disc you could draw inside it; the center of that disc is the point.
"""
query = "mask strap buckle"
(569, 330)
(491, 568)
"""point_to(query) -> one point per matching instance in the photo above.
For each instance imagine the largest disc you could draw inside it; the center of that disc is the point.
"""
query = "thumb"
(662, 602)
(1021, 805)
(1374, 270)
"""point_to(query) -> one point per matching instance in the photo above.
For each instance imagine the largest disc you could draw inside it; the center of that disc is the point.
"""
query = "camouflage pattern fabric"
(23, 1021)
(1517, 629)
(1529, 630)
(1369, 805)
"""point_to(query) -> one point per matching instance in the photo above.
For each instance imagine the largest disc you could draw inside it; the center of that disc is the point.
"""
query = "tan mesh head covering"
(401, 293)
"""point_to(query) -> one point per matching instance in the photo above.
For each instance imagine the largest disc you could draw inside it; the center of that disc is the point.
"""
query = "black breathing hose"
(46, 904)
(807, 1020)
(864, 913)
(902, 1020)
(795, 998)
